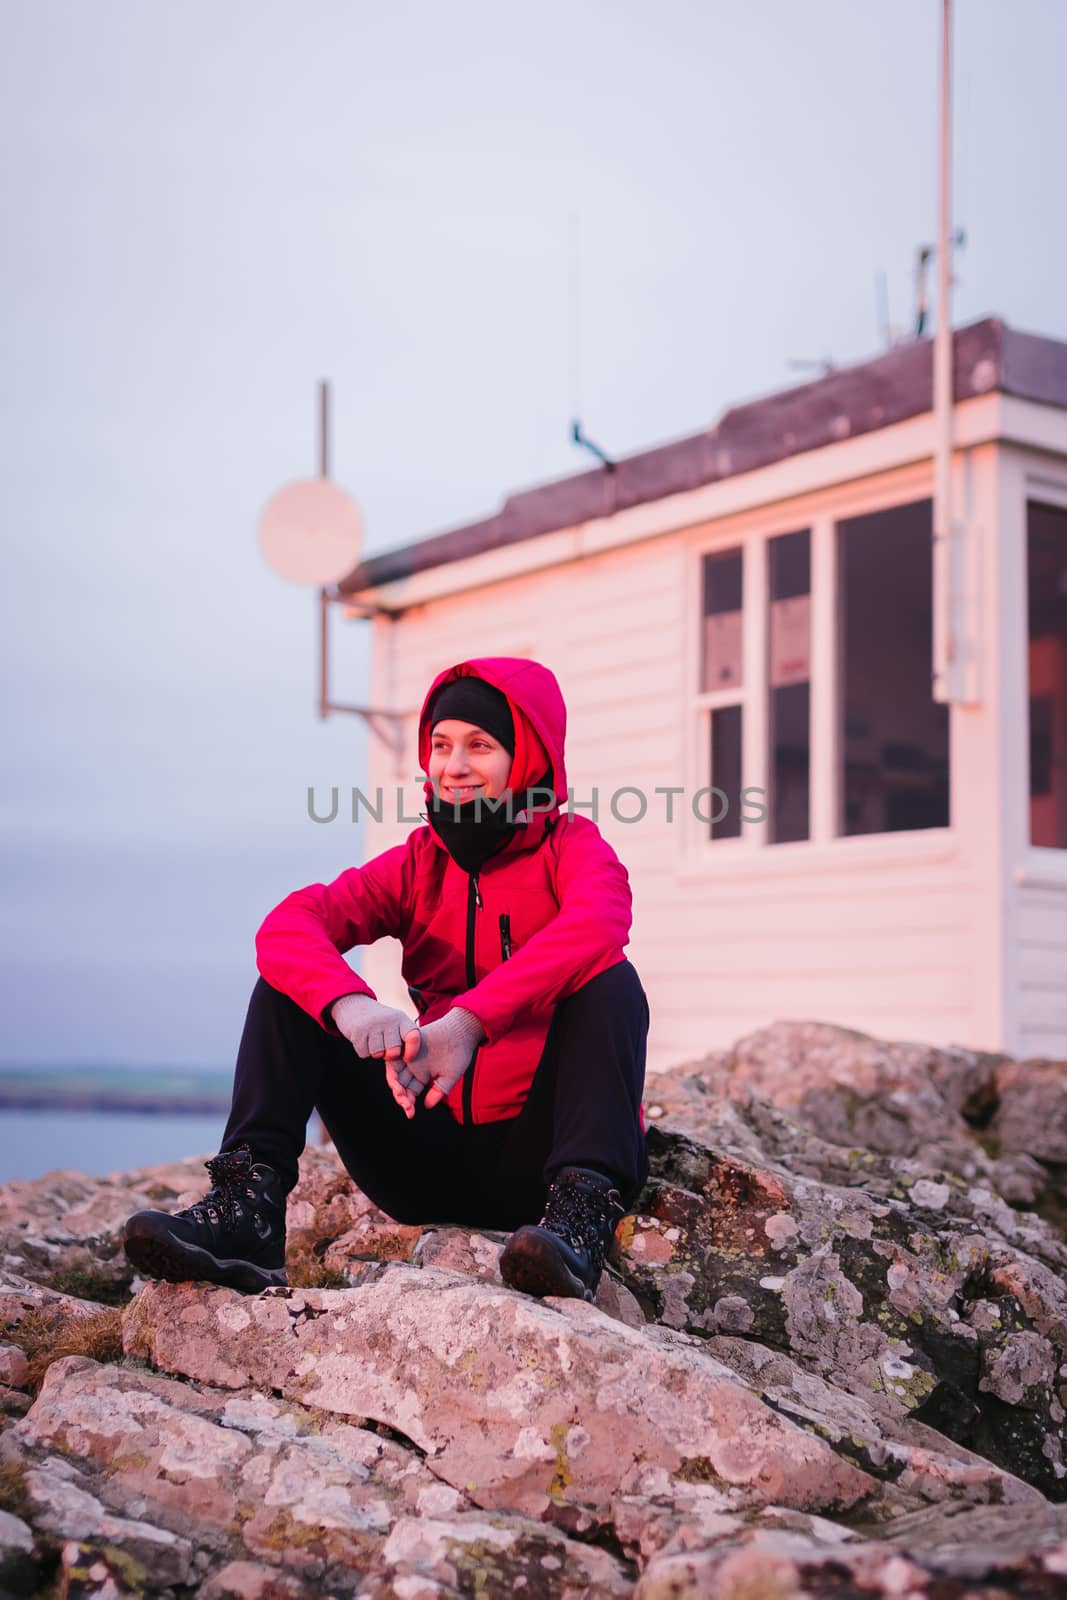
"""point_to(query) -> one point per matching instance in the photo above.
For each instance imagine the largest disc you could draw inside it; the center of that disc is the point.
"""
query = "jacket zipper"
(474, 904)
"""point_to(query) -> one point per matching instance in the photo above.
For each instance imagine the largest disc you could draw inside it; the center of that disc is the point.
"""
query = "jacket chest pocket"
(527, 911)
(494, 937)
(509, 925)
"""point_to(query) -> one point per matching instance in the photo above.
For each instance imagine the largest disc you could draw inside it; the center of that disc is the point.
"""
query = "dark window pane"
(1041, 709)
(1046, 555)
(790, 697)
(724, 806)
(791, 772)
(721, 667)
(722, 582)
(895, 735)
(791, 564)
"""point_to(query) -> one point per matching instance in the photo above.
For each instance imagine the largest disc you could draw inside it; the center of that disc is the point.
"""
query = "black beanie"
(475, 701)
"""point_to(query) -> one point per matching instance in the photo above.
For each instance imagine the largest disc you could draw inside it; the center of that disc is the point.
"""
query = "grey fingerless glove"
(370, 1028)
(446, 1049)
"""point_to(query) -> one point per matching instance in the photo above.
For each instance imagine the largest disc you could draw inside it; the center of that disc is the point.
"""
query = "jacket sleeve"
(584, 938)
(299, 945)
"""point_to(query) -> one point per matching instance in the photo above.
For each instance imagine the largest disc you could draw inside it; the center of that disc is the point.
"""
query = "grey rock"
(18, 1569)
(829, 1356)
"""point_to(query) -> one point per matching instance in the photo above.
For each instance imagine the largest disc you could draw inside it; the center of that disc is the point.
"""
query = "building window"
(724, 803)
(722, 621)
(894, 737)
(721, 679)
(1046, 582)
(789, 677)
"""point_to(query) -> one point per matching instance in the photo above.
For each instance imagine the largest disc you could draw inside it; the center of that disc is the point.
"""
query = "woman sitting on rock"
(517, 1092)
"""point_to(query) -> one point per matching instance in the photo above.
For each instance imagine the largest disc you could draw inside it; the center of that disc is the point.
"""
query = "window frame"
(706, 701)
(770, 688)
(826, 847)
(1041, 866)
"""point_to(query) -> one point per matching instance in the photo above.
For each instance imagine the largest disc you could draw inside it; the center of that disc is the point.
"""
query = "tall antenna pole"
(574, 286)
(324, 598)
(324, 428)
(944, 634)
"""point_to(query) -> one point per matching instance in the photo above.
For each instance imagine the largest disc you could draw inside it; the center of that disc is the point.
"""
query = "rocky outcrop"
(64, 1229)
(988, 1119)
(829, 1358)
(918, 1298)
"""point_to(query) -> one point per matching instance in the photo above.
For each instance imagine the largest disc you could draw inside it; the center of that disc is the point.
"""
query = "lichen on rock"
(828, 1356)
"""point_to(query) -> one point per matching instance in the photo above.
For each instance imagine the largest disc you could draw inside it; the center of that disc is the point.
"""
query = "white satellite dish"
(311, 532)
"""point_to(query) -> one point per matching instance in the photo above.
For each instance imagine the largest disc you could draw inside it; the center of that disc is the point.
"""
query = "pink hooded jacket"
(548, 912)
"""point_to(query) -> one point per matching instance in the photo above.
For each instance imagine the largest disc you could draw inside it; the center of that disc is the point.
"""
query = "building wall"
(1034, 881)
(899, 935)
(1041, 958)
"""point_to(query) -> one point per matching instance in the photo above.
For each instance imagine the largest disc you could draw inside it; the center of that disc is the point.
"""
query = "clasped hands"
(433, 1056)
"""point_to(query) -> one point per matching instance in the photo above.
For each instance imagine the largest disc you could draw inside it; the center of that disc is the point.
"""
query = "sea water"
(99, 1142)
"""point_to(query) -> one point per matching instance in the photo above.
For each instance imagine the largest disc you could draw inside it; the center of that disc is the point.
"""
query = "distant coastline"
(162, 1092)
(191, 1107)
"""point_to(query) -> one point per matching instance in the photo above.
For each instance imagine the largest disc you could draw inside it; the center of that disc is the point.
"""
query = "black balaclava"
(475, 830)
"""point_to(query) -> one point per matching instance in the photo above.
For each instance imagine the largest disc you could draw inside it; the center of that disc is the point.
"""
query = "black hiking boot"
(564, 1253)
(234, 1236)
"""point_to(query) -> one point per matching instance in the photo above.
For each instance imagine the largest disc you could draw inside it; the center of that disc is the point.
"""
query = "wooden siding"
(883, 949)
(1041, 969)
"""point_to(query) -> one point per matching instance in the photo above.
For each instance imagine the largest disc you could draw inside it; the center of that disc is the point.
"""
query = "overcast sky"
(209, 207)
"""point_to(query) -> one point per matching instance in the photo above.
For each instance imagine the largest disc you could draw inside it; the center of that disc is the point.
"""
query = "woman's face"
(465, 761)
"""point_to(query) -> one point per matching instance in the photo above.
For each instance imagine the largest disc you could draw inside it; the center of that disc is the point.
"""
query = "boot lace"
(583, 1216)
(231, 1182)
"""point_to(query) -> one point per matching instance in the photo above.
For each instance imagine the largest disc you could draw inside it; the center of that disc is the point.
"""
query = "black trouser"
(582, 1110)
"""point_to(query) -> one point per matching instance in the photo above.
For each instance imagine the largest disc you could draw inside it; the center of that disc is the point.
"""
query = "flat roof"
(988, 355)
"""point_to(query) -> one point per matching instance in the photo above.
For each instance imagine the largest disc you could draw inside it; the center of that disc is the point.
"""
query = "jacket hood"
(540, 718)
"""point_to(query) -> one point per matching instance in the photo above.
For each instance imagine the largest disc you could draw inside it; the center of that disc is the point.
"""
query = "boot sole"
(175, 1261)
(531, 1264)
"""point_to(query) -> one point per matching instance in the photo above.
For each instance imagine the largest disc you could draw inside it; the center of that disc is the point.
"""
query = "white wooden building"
(750, 609)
